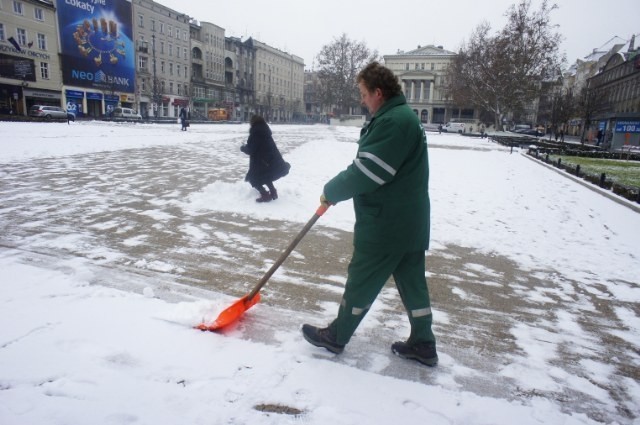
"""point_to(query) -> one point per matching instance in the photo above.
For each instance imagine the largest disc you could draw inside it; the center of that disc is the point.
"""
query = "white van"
(126, 114)
(454, 127)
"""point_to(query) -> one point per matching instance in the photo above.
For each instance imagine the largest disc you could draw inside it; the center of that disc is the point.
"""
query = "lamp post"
(155, 77)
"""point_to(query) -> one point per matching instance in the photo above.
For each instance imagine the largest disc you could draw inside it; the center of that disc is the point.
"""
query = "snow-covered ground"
(115, 239)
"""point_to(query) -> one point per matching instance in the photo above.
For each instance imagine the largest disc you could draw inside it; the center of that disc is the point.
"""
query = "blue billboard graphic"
(96, 42)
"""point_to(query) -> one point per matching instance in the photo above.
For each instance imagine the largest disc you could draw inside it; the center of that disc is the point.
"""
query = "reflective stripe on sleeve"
(386, 167)
(368, 173)
(421, 312)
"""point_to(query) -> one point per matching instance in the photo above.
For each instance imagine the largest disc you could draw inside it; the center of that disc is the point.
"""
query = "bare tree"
(503, 73)
(339, 64)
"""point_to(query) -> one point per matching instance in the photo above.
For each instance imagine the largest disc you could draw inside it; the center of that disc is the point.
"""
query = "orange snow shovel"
(235, 310)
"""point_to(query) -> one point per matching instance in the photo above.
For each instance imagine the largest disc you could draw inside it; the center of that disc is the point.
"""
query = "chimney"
(632, 43)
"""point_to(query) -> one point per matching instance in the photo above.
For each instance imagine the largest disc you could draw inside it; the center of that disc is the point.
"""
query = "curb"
(605, 192)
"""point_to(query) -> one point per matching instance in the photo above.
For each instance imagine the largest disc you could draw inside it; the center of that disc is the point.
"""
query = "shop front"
(179, 104)
(75, 100)
(110, 103)
(41, 97)
(11, 100)
(94, 104)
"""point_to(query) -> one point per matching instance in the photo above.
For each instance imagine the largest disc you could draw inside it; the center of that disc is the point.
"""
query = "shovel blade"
(231, 313)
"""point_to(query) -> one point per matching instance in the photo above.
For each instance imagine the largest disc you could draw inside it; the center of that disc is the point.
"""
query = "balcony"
(142, 46)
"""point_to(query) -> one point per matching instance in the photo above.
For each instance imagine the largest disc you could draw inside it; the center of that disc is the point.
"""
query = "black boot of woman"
(264, 195)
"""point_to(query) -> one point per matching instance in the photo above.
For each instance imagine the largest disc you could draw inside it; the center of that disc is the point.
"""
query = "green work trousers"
(368, 271)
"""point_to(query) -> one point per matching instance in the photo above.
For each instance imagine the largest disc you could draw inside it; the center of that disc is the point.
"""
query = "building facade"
(422, 75)
(163, 59)
(240, 76)
(29, 61)
(617, 86)
(279, 84)
(208, 63)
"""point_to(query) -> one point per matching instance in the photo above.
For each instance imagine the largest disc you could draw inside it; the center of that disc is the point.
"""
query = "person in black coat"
(183, 118)
(266, 164)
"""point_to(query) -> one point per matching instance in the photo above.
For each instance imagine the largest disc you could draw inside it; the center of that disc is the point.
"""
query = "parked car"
(454, 127)
(530, 132)
(126, 114)
(50, 113)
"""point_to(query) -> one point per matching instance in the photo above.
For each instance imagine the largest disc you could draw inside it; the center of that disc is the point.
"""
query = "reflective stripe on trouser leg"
(368, 272)
(412, 286)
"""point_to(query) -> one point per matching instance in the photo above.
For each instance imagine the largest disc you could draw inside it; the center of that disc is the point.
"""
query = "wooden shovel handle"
(319, 212)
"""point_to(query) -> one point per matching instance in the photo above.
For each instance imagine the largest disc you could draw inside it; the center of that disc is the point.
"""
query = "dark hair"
(375, 76)
(257, 119)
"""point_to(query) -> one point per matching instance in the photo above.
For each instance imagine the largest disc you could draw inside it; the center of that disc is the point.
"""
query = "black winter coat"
(265, 161)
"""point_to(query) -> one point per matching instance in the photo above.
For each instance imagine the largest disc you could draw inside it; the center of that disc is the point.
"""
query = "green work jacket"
(388, 181)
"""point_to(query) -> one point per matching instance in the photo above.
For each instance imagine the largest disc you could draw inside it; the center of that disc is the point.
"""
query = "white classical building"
(422, 74)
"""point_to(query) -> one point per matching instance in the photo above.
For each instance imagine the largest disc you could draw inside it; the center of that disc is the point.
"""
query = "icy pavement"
(534, 279)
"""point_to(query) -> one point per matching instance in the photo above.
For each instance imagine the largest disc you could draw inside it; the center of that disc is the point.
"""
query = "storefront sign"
(17, 68)
(74, 93)
(628, 127)
(41, 94)
(94, 96)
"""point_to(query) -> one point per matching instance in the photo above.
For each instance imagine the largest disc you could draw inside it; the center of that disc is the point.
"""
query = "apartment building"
(239, 76)
(279, 84)
(163, 59)
(29, 61)
(208, 72)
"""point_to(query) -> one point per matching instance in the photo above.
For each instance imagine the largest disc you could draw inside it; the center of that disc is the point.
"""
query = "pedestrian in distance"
(184, 119)
(388, 182)
(266, 164)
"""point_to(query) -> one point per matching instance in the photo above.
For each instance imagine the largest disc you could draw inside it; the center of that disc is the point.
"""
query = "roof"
(429, 50)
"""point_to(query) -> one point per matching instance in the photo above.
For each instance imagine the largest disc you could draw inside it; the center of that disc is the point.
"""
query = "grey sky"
(302, 27)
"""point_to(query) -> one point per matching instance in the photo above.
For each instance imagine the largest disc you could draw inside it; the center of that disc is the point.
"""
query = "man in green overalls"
(388, 182)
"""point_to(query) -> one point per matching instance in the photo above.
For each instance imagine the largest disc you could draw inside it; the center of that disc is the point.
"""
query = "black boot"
(264, 197)
(322, 337)
(272, 191)
(424, 352)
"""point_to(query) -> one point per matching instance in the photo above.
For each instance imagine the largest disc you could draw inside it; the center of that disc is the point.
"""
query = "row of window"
(422, 66)
(182, 90)
(18, 9)
(161, 28)
(22, 37)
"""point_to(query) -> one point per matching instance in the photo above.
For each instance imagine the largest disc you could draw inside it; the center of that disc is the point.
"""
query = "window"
(1, 32)
(38, 14)
(178, 33)
(161, 27)
(170, 68)
(179, 88)
(141, 21)
(169, 30)
(179, 70)
(170, 49)
(44, 70)
(42, 42)
(153, 25)
(171, 87)
(22, 36)
(162, 67)
(144, 84)
(17, 8)
(185, 53)
(162, 47)
(142, 63)
(406, 67)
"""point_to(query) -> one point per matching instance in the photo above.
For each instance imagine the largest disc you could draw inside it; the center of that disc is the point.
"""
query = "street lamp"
(156, 96)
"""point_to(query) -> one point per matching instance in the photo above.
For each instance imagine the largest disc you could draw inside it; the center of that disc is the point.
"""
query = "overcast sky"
(302, 27)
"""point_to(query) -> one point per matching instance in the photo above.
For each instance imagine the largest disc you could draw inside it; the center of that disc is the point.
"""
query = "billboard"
(96, 38)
